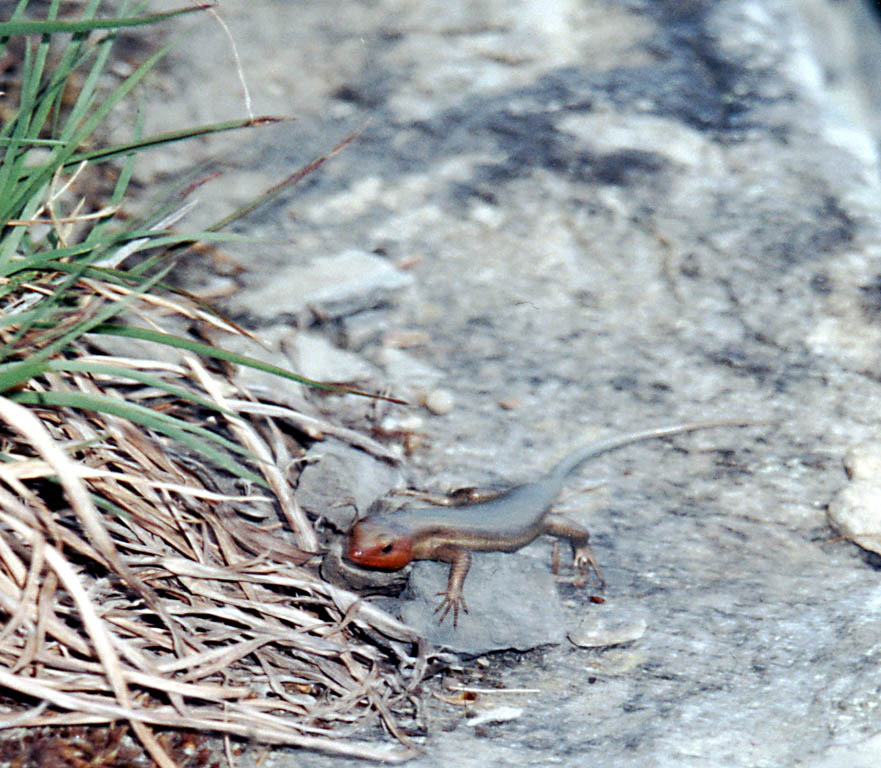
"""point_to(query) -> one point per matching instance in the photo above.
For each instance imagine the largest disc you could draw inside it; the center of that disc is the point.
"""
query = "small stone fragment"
(405, 339)
(439, 401)
(362, 328)
(855, 513)
(316, 358)
(330, 287)
(604, 631)
(496, 715)
(863, 462)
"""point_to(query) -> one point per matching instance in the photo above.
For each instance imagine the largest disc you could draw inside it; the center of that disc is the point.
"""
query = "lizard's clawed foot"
(585, 561)
(451, 600)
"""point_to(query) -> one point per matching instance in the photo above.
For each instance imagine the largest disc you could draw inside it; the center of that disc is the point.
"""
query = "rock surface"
(512, 603)
(615, 215)
(339, 483)
(328, 287)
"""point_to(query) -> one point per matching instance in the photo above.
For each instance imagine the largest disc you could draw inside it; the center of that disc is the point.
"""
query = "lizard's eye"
(387, 549)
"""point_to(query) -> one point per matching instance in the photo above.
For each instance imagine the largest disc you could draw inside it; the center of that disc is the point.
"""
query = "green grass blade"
(74, 53)
(49, 27)
(48, 308)
(206, 350)
(15, 374)
(32, 142)
(16, 14)
(110, 310)
(51, 259)
(97, 234)
(13, 237)
(122, 372)
(108, 153)
(80, 125)
(58, 337)
(18, 128)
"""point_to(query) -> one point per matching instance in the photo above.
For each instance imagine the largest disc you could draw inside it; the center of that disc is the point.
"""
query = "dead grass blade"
(157, 591)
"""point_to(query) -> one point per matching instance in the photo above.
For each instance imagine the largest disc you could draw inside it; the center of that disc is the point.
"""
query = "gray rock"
(401, 366)
(512, 603)
(339, 483)
(329, 287)
(317, 358)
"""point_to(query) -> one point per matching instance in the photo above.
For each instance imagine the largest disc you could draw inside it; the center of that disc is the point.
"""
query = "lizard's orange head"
(379, 546)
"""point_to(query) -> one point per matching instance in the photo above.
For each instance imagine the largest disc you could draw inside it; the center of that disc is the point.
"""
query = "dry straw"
(177, 604)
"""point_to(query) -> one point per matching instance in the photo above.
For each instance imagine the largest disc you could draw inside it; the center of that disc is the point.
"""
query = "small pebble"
(410, 422)
(863, 462)
(439, 401)
(405, 339)
(855, 512)
(496, 715)
(598, 632)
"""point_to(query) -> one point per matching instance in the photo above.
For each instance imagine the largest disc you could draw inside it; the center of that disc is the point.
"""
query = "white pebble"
(855, 512)
(439, 401)
(496, 715)
(863, 462)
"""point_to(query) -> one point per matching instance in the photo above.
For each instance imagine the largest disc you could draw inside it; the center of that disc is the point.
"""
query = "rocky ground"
(566, 220)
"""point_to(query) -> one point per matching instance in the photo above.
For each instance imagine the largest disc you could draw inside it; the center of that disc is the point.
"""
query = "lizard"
(503, 523)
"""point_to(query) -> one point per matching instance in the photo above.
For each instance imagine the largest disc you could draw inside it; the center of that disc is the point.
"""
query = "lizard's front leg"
(460, 562)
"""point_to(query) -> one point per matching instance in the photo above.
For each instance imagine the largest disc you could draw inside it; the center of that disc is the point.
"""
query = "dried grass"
(180, 604)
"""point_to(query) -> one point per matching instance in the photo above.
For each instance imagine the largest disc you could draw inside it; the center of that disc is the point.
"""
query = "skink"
(504, 523)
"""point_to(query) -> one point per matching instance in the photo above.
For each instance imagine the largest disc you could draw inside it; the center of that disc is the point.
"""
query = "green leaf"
(37, 27)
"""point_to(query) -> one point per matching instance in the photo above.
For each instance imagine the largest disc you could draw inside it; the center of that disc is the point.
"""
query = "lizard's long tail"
(575, 459)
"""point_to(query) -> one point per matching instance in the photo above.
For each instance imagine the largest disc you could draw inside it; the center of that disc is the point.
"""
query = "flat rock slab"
(512, 604)
(328, 287)
(339, 483)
